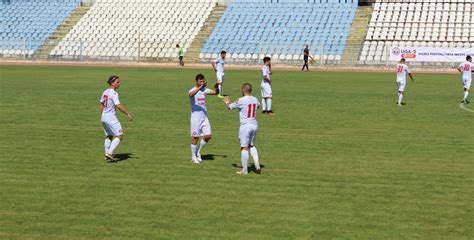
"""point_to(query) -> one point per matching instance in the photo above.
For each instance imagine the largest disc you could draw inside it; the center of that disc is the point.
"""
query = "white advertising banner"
(430, 54)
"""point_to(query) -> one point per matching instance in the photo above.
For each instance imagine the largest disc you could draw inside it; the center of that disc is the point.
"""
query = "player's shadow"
(122, 157)
(211, 157)
(250, 168)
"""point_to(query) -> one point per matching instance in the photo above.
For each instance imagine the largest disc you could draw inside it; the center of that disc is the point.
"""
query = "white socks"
(113, 146)
(264, 104)
(400, 98)
(107, 144)
(245, 159)
(466, 93)
(194, 149)
(220, 89)
(202, 144)
(254, 154)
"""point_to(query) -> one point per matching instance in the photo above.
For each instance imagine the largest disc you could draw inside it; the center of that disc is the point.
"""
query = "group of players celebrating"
(247, 105)
(200, 125)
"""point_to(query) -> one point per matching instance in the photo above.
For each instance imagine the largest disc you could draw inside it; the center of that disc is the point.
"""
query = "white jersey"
(466, 68)
(402, 70)
(198, 101)
(248, 109)
(265, 72)
(219, 65)
(109, 99)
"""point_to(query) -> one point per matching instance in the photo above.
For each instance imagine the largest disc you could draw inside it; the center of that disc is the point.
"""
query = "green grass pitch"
(341, 160)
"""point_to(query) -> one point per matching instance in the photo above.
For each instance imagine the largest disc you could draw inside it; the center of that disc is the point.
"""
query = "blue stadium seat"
(282, 27)
(30, 23)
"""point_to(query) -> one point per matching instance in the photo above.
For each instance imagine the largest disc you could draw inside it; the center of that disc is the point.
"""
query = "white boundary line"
(461, 105)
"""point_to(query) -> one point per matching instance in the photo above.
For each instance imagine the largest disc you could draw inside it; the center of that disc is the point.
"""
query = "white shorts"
(266, 89)
(401, 86)
(112, 128)
(466, 83)
(200, 126)
(220, 77)
(248, 134)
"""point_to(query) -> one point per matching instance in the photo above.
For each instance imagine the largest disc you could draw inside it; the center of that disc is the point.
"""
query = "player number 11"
(252, 110)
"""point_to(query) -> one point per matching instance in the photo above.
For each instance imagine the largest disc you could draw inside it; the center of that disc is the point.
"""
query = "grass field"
(341, 160)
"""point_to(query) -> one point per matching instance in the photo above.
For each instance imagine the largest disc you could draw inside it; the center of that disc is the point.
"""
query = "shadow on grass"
(122, 157)
(211, 157)
(250, 168)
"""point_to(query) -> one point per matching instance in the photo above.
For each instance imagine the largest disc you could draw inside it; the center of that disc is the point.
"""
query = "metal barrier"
(163, 51)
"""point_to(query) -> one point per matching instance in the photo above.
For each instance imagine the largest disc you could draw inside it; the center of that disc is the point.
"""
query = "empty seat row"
(145, 27)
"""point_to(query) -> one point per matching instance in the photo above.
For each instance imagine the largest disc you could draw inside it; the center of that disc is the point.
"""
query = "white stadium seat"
(434, 23)
(157, 25)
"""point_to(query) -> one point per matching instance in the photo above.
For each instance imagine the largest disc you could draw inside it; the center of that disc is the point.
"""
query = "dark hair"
(223, 52)
(177, 45)
(468, 57)
(402, 60)
(112, 79)
(199, 77)
(247, 86)
(266, 59)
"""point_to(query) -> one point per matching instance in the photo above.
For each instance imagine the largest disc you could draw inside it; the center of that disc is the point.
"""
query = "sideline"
(461, 105)
(168, 65)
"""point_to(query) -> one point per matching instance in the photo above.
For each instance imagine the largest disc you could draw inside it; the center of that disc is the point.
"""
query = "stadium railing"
(350, 57)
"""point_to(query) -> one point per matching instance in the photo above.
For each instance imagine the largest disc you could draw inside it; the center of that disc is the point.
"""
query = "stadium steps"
(192, 54)
(61, 32)
(355, 40)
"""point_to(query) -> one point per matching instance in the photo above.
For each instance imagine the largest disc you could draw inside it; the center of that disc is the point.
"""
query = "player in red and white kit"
(266, 86)
(112, 128)
(199, 122)
(218, 66)
(466, 68)
(247, 106)
(402, 70)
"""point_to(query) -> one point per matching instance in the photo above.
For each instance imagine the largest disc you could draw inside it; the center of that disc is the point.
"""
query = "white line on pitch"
(465, 108)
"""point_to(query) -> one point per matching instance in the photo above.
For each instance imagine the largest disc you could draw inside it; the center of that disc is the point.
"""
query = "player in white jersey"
(199, 122)
(402, 71)
(218, 66)
(109, 101)
(266, 86)
(247, 106)
(466, 68)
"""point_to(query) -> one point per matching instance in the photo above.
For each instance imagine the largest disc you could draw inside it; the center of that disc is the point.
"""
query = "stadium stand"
(425, 23)
(251, 28)
(126, 29)
(26, 25)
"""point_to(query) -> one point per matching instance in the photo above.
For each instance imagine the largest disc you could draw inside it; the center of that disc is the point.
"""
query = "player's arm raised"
(195, 90)
(125, 111)
(227, 102)
(215, 91)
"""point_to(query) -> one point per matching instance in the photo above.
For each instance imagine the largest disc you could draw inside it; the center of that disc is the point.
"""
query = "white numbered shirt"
(466, 68)
(219, 65)
(109, 99)
(265, 72)
(198, 101)
(248, 106)
(402, 70)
